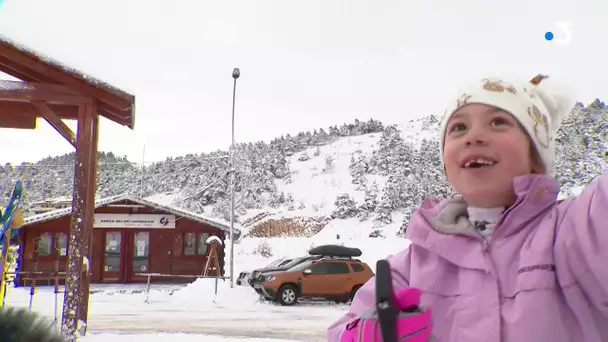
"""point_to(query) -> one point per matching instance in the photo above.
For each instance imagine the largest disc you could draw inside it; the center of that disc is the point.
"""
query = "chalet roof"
(54, 214)
(29, 65)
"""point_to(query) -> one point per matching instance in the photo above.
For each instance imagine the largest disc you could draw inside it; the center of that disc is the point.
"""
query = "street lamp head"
(236, 73)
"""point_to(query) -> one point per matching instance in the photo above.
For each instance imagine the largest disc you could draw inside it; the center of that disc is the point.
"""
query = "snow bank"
(202, 293)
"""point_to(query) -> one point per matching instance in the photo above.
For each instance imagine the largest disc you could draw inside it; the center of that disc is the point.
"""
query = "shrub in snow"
(346, 207)
(329, 163)
(376, 233)
(276, 199)
(303, 157)
(263, 249)
(317, 152)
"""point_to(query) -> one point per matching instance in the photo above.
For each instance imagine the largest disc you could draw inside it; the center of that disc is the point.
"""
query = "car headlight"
(269, 278)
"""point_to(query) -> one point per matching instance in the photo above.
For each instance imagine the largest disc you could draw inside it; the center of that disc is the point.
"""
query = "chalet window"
(202, 244)
(189, 244)
(62, 242)
(195, 244)
(48, 246)
(45, 245)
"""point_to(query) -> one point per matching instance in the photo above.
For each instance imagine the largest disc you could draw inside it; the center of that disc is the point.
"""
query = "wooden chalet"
(130, 236)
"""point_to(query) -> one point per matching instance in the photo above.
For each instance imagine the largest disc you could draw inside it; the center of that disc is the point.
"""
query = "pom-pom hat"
(539, 105)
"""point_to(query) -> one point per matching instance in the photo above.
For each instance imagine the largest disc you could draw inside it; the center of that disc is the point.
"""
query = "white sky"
(304, 64)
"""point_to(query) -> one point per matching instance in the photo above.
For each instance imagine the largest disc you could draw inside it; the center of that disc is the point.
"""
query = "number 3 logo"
(564, 37)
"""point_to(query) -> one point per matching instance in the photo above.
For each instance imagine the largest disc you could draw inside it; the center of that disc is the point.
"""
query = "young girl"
(507, 261)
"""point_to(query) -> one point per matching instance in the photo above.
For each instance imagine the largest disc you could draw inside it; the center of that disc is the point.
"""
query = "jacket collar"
(443, 226)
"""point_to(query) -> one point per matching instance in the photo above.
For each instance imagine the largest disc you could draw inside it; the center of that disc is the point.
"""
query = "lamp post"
(235, 75)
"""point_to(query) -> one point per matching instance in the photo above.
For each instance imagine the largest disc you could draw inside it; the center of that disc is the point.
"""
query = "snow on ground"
(193, 309)
(188, 312)
(169, 337)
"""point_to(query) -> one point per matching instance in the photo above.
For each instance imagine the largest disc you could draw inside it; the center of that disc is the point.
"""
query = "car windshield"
(301, 266)
(276, 262)
(284, 263)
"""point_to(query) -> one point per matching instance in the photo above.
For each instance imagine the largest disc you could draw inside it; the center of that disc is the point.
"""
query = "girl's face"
(485, 148)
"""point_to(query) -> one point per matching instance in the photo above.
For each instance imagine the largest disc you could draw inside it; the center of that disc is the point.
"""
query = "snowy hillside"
(365, 173)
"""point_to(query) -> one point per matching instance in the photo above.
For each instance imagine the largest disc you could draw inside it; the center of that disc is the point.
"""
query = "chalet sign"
(158, 221)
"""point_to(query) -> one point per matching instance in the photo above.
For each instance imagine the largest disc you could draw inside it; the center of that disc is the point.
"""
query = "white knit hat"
(539, 105)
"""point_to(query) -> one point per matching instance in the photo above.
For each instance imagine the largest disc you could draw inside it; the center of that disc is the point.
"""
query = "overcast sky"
(304, 64)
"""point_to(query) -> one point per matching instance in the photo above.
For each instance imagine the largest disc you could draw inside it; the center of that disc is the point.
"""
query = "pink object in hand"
(414, 323)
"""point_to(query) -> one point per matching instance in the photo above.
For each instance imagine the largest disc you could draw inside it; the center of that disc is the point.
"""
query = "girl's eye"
(458, 127)
(499, 122)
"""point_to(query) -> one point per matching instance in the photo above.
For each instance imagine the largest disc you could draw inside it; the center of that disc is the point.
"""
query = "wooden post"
(148, 284)
(74, 298)
(89, 110)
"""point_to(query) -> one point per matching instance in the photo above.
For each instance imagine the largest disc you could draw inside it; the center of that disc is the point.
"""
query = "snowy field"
(190, 311)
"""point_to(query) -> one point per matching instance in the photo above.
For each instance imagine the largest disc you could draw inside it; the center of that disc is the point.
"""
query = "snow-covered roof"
(125, 112)
(51, 215)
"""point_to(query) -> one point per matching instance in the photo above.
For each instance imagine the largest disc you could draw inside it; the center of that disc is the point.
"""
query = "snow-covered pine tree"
(357, 170)
(346, 207)
(370, 202)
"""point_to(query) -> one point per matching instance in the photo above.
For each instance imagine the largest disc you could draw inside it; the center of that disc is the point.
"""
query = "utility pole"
(143, 165)
(235, 75)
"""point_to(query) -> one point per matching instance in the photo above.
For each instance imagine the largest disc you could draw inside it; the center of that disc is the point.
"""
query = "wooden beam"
(70, 79)
(31, 75)
(24, 110)
(110, 113)
(47, 113)
(23, 75)
(17, 122)
(26, 91)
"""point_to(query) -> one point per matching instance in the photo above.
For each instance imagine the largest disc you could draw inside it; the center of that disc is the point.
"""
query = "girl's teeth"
(479, 161)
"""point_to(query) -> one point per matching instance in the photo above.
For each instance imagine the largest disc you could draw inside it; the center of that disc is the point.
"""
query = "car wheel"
(354, 292)
(288, 295)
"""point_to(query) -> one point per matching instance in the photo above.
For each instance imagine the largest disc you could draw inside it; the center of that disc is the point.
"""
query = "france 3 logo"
(562, 35)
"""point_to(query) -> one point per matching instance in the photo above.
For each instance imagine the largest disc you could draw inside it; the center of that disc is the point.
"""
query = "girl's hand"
(413, 322)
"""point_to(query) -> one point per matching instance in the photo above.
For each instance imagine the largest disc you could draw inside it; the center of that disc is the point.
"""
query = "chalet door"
(113, 269)
(138, 260)
(161, 246)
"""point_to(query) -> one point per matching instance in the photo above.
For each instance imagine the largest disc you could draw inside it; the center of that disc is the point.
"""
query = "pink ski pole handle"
(414, 324)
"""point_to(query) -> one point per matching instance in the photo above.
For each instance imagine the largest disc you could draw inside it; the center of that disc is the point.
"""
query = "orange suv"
(334, 275)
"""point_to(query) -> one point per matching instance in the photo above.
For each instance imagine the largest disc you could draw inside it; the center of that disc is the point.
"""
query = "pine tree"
(357, 169)
(370, 202)
(346, 207)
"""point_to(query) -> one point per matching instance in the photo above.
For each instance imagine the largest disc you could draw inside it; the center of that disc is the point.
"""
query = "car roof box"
(336, 251)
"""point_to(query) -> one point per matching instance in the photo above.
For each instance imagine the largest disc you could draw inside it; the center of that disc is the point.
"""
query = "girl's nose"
(470, 142)
(476, 137)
